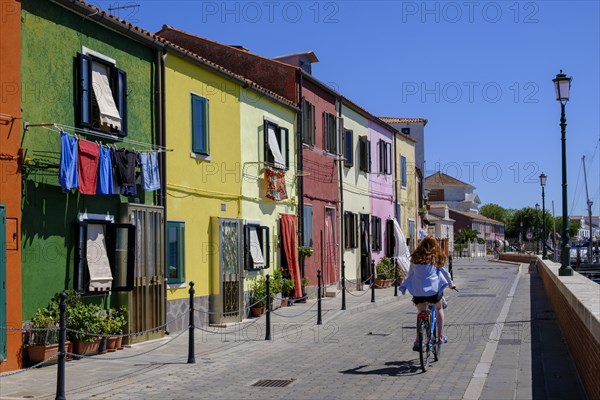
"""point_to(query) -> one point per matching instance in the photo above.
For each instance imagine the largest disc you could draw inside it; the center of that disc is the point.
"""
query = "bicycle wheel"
(424, 342)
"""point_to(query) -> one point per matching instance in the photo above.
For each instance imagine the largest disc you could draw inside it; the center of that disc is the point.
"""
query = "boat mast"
(589, 204)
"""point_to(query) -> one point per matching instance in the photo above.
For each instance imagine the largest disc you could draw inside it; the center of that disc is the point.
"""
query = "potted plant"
(115, 325)
(305, 251)
(287, 287)
(258, 296)
(385, 273)
(43, 339)
(84, 320)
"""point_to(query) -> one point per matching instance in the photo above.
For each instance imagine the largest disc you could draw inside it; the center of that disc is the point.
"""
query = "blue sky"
(480, 71)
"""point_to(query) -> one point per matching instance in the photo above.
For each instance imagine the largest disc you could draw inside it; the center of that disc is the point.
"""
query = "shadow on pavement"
(394, 368)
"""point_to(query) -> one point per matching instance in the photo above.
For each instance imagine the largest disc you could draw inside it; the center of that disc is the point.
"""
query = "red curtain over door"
(330, 273)
(288, 230)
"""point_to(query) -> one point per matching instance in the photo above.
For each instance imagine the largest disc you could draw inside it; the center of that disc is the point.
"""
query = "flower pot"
(257, 311)
(119, 343)
(41, 352)
(111, 343)
(84, 348)
(284, 301)
(102, 346)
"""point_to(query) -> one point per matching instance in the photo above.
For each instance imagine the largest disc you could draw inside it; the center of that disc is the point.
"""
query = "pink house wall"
(381, 186)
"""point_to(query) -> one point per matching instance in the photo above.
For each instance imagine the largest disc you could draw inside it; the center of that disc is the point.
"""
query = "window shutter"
(121, 100)
(368, 156)
(285, 136)
(390, 242)
(84, 90)
(314, 124)
(390, 159)
(265, 244)
(381, 148)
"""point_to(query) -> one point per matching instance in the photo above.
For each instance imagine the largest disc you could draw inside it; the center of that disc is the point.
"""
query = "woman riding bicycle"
(427, 278)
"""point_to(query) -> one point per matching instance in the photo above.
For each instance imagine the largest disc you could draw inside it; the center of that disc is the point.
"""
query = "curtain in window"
(288, 231)
(274, 146)
(97, 259)
(109, 115)
(256, 249)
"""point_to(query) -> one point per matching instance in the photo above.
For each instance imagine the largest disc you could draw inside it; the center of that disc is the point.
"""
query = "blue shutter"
(200, 139)
(403, 161)
(84, 90)
(121, 99)
(308, 228)
(348, 148)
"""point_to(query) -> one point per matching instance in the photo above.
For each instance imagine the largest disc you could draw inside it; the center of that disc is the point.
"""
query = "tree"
(467, 235)
(493, 211)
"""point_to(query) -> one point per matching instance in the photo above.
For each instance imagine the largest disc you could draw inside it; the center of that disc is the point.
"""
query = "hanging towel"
(67, 174)
(105, 173)
(150, 174)
(401, 251)
(88, 166)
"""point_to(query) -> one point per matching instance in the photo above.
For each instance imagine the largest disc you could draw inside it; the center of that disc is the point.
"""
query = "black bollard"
(268, 313)
(62, 338)
(395, 277)
(450, 267)
(319, 321)
(372, 281)
(343, 285)
(191, 355)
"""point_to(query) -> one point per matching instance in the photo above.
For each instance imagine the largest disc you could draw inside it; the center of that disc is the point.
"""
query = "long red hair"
(429, 252)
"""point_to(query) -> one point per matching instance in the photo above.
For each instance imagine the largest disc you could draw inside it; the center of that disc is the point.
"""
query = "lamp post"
(537, 229)
(543, 178)
(562, 86)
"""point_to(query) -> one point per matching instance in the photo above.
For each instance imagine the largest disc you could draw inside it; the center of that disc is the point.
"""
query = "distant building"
(584, 226)
(457, 194)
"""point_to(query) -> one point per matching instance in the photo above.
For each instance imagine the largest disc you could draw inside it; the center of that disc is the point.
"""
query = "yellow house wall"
(355, 187)
(255, 206)
(407, 195)
(198, 188)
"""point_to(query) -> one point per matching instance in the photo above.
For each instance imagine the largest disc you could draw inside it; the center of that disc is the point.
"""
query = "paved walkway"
(504, 343)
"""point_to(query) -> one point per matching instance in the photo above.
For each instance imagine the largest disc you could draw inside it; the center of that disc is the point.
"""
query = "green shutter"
(200, 125)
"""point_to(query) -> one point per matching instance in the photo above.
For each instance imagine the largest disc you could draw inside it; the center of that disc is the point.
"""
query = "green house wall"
(51, 38)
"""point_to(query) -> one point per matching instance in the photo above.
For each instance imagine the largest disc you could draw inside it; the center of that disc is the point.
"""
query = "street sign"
(529, 235)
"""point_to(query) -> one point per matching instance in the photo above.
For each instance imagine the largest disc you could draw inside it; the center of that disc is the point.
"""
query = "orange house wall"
(10, 175)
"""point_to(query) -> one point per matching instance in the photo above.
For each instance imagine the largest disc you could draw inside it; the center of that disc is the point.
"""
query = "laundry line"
(56, 127)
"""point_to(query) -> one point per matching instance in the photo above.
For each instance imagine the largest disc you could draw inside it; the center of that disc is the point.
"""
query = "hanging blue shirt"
(425, 280)
(105, 174)
(67, 173)
(150, 174)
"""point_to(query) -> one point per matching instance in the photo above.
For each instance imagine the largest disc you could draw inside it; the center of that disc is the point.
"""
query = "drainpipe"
(300, 176)
(341, 200)
(161, 99)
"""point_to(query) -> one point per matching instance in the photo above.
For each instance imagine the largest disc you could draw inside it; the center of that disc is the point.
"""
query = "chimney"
(301, 60)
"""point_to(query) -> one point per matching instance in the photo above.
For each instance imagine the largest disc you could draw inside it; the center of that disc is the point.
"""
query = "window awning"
(109, 115)
(256, 250)
(275, 149)
(97, 259)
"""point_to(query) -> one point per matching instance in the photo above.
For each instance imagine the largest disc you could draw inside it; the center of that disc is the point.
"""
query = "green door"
(2, 281)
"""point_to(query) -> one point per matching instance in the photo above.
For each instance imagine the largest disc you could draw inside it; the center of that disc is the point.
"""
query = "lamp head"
(562, 87)
(543, 178)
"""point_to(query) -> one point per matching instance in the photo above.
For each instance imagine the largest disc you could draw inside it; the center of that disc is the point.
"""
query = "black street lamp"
(562, 86)
(543, 178)
(537, 229)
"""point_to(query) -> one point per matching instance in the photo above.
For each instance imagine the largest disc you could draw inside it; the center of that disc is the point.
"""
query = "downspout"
(395, 178)
(161, 98)
(300, 172)
(341, 200)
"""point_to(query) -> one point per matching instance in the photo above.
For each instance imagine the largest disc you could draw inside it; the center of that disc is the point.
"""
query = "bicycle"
(427, 336)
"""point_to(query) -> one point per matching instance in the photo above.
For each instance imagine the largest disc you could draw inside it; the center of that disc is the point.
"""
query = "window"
(403, 166)
(276, 145)
(200, 131)
(308, 228)
(405, 131)
(375, 233)
(385, 157)
(101, 95)
(330, 131)
(364, 148)
(390, 239)
(348, 148)
(256, 246)
(175, 252)
(308, 123)
(350, 230)
(105, 255)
